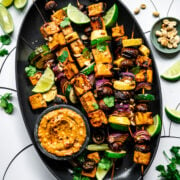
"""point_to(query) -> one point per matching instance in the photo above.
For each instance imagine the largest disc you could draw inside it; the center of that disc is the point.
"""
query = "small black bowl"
(50, 155)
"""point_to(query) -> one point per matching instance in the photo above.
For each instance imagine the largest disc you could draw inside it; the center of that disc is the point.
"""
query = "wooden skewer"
(142, 169)
(113, 169)
(78, 3)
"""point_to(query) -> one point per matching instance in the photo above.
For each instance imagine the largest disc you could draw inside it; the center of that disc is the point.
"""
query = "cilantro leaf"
(65, 22)
(3, 102)
(109, 101)
(101, 46)
(63, 56)
(7, 96)
(86, 53)
(5, 39)
(95, 105)
(9, 109)
(105, 164)
(3, 52)
(30, 70)
(135, 70)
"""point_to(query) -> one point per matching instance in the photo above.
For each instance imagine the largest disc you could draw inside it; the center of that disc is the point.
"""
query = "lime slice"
(155, 128)
(6, 3)
(45, 82)
(173, 114)
(76, 16)
(20, 4)
(6, 20)
(111, 16)
(115, 155)
(173, 73)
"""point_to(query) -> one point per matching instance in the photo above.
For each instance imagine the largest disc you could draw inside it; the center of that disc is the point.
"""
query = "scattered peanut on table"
(168, 34)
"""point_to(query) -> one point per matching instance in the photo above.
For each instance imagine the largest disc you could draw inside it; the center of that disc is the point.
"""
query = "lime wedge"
(6, 3)
(6, 20)
(76, 16)
(115, 155)
(111, 16)
(155, 128)
(173, 73)
(20, 4)
(173, 114)
(45, 82)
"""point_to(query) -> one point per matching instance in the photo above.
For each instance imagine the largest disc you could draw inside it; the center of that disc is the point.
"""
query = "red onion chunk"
(141, 136)
(102, 82)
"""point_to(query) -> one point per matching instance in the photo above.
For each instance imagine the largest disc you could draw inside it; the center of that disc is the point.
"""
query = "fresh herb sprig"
(30, 70)
(86, 53)
(171, 172)
(109, 101)
(63, 56)
(65, 22)
(5, 104)
(4, 40)
(101, 46)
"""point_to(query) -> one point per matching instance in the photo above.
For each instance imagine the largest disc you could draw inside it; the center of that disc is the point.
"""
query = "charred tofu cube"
(83, 61)
(57, 40)
(70, 70)
(102, 56)
(34, 79)
(61, 51)
(67, 30)
(103, 70)
(97, 118)
(143, 118)
(37, 101)
(81, 84)
(71, 37)
(143, 61)
(89, 102)
(77, 46)
(96, 9)
(118, 31)
(49, 28)
(142, 158)
(58, 16)
(95, 156)
(140, 76)
(98, 34)
(149, 75)
(144, 50)
(97, 23)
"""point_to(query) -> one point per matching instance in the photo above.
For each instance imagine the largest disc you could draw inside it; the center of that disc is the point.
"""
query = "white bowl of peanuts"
(165, 35)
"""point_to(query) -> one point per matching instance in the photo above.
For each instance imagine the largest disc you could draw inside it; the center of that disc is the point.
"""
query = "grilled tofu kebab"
(112, 92)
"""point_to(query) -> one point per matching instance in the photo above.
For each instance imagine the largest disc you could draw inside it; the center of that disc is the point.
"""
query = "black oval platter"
(29, 38)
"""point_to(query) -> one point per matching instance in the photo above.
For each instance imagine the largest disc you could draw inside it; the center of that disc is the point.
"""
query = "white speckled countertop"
(18, 158)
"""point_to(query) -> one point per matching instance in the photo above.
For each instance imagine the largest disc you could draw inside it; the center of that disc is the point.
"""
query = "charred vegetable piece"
(89, 165)
(124, 85)
(123, 94)
(144, 50)
(90, 174)
(98, 136)
(51, 5)
(70, 70)
(97, 147)
(95, 156)
(58, 16)
(143, 118)
(97, 23)
(104, 91)
(141, 137)
(59, 99)
(68, 90)
(144, 148)
(50, 95)
(143, 85)
(96, 9)
(99, 36)
(144, 75)
(81, 84)
(114, 119)
(141, 107)
(145, 97)
(97, 118)
(103, 70)
(142, 158)
(117, 137)
(132, 42)
(104, 106)
(115, 155)
(35, 78)
(49, 28)
(118, 31)
(71, 37)
(88, 70)
(126, 63)
(143, 61)
(37, 101)
(129, 53)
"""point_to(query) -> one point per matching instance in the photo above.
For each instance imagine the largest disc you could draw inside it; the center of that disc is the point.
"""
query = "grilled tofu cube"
(102, 56)
(96, 9)
(142, 158)
(143, 118)
(60, 52)
(97, 23)
(37, 101)
(118, 31)
(144, 50)
(103, 70)
(144, 75)
(67, 30)
(49, 28)
(132, 42)
(70, 70)
(97, 118)
(88, 102)
(71, 37)
(57, 40)
(77, 46)
(34, 79)
(98, 34)
(82, 61)
(143, 61)
(149, 75)
(81, 84)
(95, 156)
(90, 174)
(58, 16)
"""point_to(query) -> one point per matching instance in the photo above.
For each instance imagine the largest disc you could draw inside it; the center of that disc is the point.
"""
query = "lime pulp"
(19, 4)
(6, 3)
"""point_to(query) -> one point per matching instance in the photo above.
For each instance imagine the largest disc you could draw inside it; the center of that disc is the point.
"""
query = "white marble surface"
(13, 135)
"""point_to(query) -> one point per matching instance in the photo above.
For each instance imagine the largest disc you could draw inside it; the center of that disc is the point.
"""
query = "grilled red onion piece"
(141, 136)
(102, 82)
(142, 148)
(91, 78)
(143, 85)
(141, 107)
(127, 74)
